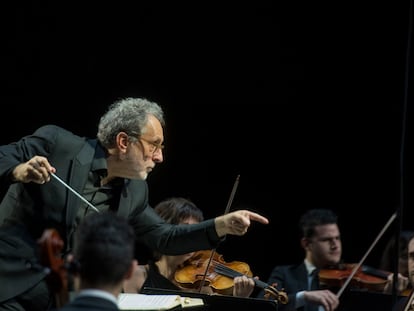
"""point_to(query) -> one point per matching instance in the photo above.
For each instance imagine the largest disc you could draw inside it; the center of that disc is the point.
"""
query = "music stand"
(362, 300)
(219, 302)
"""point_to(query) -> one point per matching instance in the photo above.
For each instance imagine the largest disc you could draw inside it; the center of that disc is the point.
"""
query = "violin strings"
(226, 271)
(218, 266)
(229, 272)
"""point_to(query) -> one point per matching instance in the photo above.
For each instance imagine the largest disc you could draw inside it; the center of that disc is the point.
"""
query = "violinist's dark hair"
(104, 249)
(174, 211)
(316, 217)
(177, 209)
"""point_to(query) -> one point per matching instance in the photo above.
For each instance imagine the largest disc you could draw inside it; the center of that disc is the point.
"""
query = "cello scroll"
(51, 246)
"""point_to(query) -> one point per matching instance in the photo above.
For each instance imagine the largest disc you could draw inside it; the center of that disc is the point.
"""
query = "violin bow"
(392, 218)
(229, 202)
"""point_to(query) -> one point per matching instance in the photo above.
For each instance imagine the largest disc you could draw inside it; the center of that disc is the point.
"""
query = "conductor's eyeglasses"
(153, 146)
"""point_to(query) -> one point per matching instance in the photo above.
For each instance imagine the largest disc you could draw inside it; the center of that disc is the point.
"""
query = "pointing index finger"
(258, 218)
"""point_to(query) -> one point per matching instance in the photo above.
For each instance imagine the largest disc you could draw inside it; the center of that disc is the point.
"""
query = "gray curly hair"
(129, 115)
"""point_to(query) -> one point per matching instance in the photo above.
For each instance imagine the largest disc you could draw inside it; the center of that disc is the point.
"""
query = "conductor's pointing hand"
(237, 222)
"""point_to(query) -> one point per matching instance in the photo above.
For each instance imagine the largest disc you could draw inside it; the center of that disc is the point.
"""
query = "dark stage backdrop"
(304, 101)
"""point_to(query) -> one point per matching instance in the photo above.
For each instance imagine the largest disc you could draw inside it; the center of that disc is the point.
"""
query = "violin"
(51, 245)
(219, 275)
(365, 277)
(384, 275)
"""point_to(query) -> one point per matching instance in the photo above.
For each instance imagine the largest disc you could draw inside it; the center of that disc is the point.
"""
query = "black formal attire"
(27, 209)
(155, 279)
(90, 303)
(293, 279)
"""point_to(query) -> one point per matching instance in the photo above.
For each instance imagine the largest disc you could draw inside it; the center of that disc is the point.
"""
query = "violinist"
(54, 178)
(387, 258)
(402, 303)
(386, 264)
(160, 272)
(321, 241)
(410, 250)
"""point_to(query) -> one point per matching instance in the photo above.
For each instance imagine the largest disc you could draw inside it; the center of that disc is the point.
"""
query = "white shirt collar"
(309, 266)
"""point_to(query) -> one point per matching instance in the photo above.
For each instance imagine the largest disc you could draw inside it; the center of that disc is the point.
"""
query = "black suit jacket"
(291, 278)
(91, 304)
(294, 278)
(28, 209)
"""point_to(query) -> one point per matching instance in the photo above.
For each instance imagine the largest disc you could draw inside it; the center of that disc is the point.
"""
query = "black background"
(306, 101)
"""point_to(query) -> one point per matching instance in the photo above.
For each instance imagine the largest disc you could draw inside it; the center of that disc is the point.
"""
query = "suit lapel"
(302, 277)
(78, 177)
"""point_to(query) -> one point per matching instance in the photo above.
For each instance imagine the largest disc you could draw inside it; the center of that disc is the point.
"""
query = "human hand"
(324, 297)
(237, 222)
(402, 283)
(36, 170)
(243, 286)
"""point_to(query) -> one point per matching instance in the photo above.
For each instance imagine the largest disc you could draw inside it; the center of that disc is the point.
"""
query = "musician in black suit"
(321, 241)
(53, 178)
(104, 257)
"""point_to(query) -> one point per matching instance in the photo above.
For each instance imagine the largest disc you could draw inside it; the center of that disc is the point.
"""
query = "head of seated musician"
(387, 262)
(410, 254)
(103, 242)
(406, 303)
(388, 255)
(160, 270)
(321, 242)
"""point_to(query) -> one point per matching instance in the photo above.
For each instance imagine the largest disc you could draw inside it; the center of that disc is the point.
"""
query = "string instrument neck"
(51, 246)
(219, 275)
(281, 296)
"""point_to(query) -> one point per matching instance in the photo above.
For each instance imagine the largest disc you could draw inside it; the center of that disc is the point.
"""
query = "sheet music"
(155, 302)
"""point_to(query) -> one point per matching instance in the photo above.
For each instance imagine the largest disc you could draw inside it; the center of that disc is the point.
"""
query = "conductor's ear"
(122, 140)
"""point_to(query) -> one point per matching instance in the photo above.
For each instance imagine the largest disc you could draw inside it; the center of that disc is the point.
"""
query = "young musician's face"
(325, 246)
